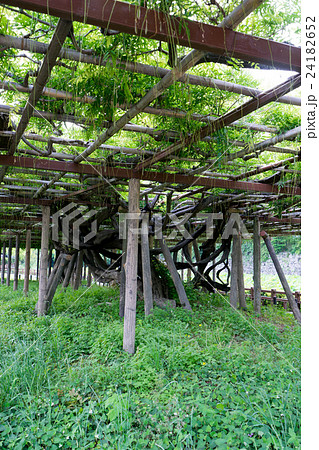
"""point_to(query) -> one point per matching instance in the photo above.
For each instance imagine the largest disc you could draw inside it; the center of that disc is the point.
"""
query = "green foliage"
(209, 379)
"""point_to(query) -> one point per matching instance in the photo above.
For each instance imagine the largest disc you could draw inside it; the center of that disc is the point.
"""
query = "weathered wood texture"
(78, 271)
(233, 294)
(9, 262)
(62, 261)
(241, 283)
(131, 268)
(292, 303)
(3, 267)
(40, 306)
(27, 262)
(257, 267)
(174, 274)
(16, 264)
(146, 266)
(69, 271)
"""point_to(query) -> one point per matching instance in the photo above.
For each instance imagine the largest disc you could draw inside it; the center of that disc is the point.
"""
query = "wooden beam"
(292, 303)
(162, 177)
(69, 271)
(153, 24)
(135, 67)
(131, 268)
(240, 281)
(243, 110)
(27, 262)
(64, 260)
(62, 30)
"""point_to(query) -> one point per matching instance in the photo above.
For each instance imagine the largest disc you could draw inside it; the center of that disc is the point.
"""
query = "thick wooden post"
(27, 262)
(9, 262)
(3, 267)
(16, 263)
(174, 274)
(281, 275)
(146, 266)
(257, 267)
(131, 268)
(233, 294)
(78, 271)
(69, 271)
(122, 276)
(40, 307)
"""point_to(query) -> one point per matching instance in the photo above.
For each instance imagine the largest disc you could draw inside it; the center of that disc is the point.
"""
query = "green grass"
(209, 379)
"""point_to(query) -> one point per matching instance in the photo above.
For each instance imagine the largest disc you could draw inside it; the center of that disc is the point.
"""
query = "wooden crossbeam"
(243, 110)
(33, 46)
(140, 21)
(162, 177)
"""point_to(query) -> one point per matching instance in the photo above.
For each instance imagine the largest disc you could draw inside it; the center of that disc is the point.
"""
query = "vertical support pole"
(146, 266)
(241, 283)
(3, 267)
(38, 262)
(189, 272)
(9, 262)
(40, 307)
(89, 278)
(273, 296)
(16, 263)
(282, 277)
(131, 268)
(233, 294)
(257, 266)
(50, 261)
(78, 271)
(27, 262)
(123, 276)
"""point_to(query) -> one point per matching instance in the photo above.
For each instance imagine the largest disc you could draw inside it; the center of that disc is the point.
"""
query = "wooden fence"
(275, 298)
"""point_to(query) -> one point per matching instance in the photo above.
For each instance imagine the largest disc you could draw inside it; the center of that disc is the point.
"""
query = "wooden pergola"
(38, 179)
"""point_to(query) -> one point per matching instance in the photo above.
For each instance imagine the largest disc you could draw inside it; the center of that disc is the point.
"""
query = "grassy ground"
(215, 378)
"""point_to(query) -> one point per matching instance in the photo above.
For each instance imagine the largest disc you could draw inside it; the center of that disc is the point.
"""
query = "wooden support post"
(9, 262)
(189, 271)
(146, 266)
(252, 294)
(40, 306)
(282, 277)
(257, 267)
(131, 268)
(78, 271)
(241, 283)
(196, 250)
(89, 278)
(69, 271)
(50, 261)
(273, 295)
(16, 263)
(3, 267)
(38, 262)
(175, 276)
(60, 265)
(298, 298)
(233, 294)
(27, 262)
(53, 271)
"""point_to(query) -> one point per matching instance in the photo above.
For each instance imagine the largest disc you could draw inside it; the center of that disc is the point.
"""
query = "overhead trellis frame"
(202, 38)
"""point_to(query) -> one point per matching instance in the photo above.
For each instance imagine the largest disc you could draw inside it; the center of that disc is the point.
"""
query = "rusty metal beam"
(156, 25)
(161, 177)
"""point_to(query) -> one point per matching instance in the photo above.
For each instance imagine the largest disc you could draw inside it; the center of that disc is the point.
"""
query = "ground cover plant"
(214, 378)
